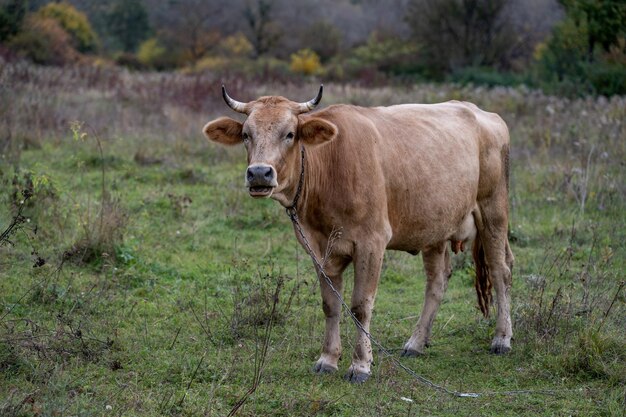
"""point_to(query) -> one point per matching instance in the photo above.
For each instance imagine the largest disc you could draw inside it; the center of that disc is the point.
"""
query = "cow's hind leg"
(499, 259)
(367, 265)
(331, 349)
(437, 267)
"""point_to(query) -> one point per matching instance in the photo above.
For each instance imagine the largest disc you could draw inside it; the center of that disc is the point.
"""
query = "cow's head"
(272, 134)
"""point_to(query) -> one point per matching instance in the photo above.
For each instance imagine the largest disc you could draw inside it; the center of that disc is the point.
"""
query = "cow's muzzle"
(261, 180)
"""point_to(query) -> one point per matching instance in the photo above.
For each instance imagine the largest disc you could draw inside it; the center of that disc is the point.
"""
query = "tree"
(265, 33)
(127, 21)
(11, 17)
(323, 38)
(74, 23)
(44, 41)
(603, 20)
(189, 27)
(587, 50)
(458, 33)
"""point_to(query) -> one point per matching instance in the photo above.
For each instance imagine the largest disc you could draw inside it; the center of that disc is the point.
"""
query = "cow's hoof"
(498, 349)
(355, 377)
(500, 345)
(411, 353)
(323, 368)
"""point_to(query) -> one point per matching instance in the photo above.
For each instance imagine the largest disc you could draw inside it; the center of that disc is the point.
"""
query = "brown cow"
(408, 177)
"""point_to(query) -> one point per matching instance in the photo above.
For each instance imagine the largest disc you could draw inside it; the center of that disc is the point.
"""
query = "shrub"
(487, 76)
(305, 62)
(44, 41)
(128, 60)
(586, 52)
(236, 45)
(74, 23)
(151, 53)
(388, 54)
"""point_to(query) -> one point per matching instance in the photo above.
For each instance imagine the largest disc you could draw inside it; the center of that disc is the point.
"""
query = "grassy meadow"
(141, 278)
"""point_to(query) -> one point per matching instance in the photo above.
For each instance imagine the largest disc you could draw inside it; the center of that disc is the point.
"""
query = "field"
(142, 280)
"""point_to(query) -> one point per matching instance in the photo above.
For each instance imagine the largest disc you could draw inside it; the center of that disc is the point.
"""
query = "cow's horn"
(310, 105)
(238, 106)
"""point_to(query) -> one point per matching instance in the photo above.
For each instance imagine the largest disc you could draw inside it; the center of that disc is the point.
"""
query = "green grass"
(169, 323)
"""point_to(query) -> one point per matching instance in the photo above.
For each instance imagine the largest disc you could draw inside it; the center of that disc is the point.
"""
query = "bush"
(44, 41)
(151, 54)
(305, 62)
(74, 23)
(487, 76)
(128, 60)
(564, 66)
(388, 54)
(236, 45)
(606, 79)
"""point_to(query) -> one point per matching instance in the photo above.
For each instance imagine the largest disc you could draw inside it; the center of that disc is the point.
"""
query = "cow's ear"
(224, 130)
(316, 131)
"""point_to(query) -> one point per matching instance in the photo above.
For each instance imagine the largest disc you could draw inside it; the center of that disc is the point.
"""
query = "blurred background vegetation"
(568, 47)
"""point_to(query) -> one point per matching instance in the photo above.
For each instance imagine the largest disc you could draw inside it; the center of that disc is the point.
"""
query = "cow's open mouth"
(260, 191)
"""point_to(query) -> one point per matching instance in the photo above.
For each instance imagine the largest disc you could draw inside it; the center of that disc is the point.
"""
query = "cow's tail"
(482, 280)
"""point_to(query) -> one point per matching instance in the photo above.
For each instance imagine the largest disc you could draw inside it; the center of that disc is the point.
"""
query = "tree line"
(566, 46)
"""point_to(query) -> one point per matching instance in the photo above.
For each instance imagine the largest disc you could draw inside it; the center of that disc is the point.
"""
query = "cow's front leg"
(367, 265)
(331, 349)
(437, 267)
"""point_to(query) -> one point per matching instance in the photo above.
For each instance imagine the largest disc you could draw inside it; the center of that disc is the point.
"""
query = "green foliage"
(487, 76)
(565, 52)
(12, 15)
(583, 53)
(75, 23)
(127, 21)
(386, 53)
(44, 41)
(605, 20)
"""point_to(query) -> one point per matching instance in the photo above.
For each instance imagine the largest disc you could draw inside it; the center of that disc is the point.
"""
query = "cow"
(407, 177)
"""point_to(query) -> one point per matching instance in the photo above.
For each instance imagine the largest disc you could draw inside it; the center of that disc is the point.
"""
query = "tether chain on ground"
(293, 215)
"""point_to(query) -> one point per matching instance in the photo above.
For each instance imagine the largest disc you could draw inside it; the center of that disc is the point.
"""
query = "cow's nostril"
(249, 174)
(268, 174)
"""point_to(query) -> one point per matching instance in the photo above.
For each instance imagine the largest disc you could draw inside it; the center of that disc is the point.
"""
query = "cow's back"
(417, 168)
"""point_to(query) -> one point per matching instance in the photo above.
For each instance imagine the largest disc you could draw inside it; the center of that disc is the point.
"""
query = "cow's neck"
(291, 195)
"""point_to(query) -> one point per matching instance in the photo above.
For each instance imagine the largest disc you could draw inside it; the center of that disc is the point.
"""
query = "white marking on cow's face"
(269, 136)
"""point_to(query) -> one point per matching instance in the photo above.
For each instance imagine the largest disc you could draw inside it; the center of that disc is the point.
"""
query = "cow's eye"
(245, 137)
(290, 135)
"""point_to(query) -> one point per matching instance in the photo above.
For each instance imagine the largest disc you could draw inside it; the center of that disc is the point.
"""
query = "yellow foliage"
(44, 41)
(150, 52)
(540, 51)
(73, 22)
(210, 63)
(237, 45)
(306, 62)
